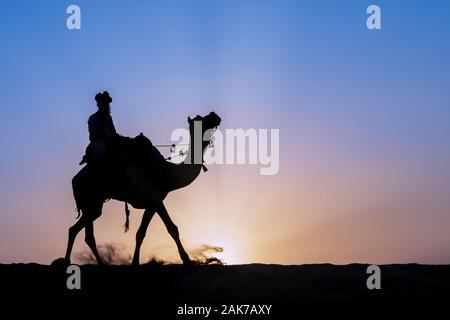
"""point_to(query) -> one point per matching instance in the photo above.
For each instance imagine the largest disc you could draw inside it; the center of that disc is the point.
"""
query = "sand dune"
(171, 286)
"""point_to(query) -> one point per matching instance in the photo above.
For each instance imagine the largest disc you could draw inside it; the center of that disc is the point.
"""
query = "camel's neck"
(182, 175)
(186, 172)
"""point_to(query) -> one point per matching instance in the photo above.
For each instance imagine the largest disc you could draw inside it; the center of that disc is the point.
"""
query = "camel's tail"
(127, 215)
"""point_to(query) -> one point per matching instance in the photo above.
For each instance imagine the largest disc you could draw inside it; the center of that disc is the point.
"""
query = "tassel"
(127, 214)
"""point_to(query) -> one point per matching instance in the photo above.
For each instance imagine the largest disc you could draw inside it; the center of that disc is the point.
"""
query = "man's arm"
(113, 128)
(92, 129)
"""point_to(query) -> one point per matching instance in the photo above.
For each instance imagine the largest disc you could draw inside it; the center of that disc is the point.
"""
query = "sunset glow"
(363, 120)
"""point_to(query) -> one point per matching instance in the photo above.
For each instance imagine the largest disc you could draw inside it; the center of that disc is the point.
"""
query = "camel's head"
(209, 124)
(211, 121)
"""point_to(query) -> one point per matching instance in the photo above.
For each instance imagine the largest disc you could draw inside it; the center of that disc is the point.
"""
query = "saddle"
(120, 150)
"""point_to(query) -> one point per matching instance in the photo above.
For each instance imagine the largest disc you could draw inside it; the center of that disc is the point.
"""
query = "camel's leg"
(90, 241)
(173, 231)
(73, 232)
(91, 216)
(140, 234)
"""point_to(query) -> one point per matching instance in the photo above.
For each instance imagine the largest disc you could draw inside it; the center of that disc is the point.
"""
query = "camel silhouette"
(143, 182)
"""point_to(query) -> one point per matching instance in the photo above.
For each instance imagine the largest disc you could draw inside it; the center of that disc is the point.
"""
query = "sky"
(364, 120)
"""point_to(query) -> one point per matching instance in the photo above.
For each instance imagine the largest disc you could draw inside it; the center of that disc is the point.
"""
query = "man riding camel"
(101, 129)
(101, 126)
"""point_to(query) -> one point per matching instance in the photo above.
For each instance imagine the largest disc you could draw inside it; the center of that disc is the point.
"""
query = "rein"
(181, 153)
(172, 149)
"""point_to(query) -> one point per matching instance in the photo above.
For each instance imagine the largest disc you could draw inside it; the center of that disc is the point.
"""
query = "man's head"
(103, 100)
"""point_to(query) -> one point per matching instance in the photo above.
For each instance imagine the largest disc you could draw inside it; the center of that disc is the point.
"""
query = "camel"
(142, 185)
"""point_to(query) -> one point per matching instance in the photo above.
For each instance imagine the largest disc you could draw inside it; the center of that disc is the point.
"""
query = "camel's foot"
(100, 262)
(185, 258)
(60, 262)
(135, 262)
(188, 262)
